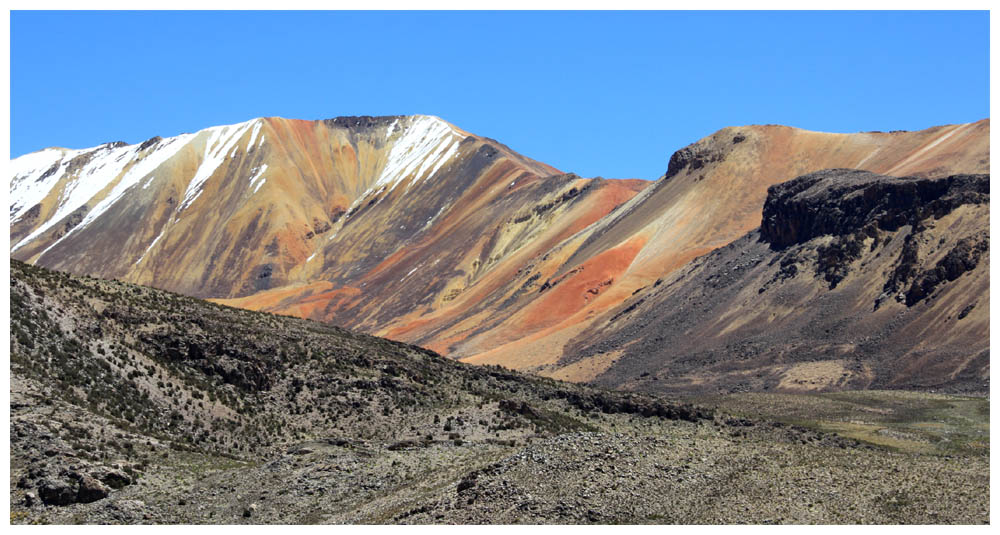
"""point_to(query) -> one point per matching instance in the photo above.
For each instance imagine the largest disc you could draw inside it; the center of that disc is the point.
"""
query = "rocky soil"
(135, 406)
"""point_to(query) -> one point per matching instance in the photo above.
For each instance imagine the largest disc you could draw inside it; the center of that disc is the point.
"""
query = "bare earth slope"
(854, 281)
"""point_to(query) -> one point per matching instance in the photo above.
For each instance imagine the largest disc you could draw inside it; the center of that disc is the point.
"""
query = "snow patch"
(427, 143)
(150, 246)
(432, 219)
(27, 187)
(103, 166)
(422, 144)
(99, 173)
(144, 167)
(259, 175)
(220, 140)
(392, 127)
(408, 274)
(448, 155)
(253, 135)
(259, 185)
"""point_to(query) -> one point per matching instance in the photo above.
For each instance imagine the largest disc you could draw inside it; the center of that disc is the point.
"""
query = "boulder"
(111, 477)
(56, 492)
(91, 490)
(250, 510)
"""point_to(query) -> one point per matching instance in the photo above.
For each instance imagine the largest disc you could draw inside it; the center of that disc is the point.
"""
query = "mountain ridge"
(496, 259)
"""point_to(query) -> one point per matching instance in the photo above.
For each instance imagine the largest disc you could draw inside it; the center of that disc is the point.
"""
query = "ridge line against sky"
(607, 93)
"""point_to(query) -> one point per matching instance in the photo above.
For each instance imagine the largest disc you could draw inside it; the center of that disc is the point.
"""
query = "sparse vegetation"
(223, 415)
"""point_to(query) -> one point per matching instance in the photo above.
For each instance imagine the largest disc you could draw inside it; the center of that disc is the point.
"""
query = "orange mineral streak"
(412, 327)
(576, 290)
(548, 322)
(272, 299)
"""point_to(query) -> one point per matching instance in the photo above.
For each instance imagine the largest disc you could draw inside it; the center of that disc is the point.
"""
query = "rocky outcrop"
(694, 157)
(363, 121)
(56, 492)
(842, 201)
(76, 488)
(90, 489)
(960, 259)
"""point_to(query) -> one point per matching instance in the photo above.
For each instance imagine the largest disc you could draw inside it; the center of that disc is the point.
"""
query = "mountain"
(853, 281)
(372, 223)
(412, 229)
(131, 405)
(236, 209)
(712, 193)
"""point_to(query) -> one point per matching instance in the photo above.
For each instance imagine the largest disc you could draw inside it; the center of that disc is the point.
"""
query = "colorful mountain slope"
(410, 228)
(234, 210)
(854, 281)
(712, 193)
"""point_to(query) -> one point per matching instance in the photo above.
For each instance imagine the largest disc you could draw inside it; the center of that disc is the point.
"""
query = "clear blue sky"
(596, 93)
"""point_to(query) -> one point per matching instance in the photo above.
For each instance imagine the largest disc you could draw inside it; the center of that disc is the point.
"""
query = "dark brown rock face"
(853, 206)
(91, 490)
(56, 492)
(115, 479)
(843, 201)
(694, 157)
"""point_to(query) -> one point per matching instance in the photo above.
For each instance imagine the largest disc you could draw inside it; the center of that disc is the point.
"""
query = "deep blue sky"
(596, 93)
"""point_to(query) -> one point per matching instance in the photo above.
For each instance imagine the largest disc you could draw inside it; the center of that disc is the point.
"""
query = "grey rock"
(91, 490)
(115, 479)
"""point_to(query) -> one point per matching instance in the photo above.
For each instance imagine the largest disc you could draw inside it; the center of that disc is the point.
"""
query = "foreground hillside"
(413, 229)
(134, 405)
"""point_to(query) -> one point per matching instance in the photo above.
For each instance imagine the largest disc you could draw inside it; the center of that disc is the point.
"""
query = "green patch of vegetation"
(557, 423)
(915, 422)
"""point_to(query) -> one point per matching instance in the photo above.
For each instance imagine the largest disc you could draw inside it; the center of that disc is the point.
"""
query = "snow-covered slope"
(96, 178)
(273, 204)
(56, 194)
